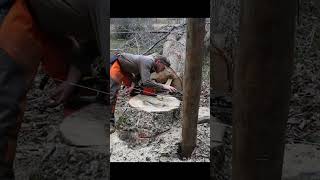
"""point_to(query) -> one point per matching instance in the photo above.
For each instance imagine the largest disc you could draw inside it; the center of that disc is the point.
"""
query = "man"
(70, 70)
(34, 30)
(129, 69)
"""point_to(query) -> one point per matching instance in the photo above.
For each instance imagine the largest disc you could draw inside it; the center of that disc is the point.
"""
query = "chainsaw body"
(148, 91)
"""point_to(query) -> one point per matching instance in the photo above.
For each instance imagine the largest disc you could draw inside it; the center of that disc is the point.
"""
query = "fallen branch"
(165, 36)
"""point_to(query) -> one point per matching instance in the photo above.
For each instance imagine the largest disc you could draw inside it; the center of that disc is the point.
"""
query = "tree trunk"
(192, 84)
(262, 88)
(221, 74)
(221, 66)
(174, 49)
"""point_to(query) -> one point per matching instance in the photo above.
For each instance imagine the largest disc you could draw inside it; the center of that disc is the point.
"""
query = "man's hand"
(65, 89)
(169, 88)
(61, 94)
(129, 89)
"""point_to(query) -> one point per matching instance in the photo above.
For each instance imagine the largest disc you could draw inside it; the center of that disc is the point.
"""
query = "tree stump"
(161, 103)
(86, 127)
(150, 115)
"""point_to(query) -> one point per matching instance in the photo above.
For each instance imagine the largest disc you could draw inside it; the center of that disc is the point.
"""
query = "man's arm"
(65, 89)
(83, 54)
(145, 74)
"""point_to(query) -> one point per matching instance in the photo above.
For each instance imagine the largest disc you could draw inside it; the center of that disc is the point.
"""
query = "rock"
(301, 160)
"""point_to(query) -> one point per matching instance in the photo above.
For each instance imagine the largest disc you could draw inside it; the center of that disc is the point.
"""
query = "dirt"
(154, 137)
(42, 152)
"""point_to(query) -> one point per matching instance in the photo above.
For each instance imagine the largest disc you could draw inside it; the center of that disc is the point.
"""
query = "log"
(150, 115)
(175, 49)
(85, 127)
(161, 103)
(163, 77)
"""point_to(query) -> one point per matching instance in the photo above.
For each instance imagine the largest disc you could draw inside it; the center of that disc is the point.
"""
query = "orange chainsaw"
(149, 91)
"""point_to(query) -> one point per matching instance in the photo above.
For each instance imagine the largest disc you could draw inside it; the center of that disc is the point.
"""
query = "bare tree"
(262, 88)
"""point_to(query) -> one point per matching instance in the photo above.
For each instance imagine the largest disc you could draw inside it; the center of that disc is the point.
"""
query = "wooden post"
(262, 88)
(192, 83)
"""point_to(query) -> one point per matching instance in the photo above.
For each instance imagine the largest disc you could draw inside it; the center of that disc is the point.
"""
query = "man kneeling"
(129, 69)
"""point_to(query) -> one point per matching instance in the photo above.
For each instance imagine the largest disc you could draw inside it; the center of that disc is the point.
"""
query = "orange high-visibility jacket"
(24, 42)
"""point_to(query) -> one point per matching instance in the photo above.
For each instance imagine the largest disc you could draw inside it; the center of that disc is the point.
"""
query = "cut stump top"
(161, 103)
(301, 161)
(86, 126)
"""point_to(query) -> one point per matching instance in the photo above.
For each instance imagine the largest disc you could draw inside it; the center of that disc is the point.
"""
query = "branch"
(137, 45)
(165, 36)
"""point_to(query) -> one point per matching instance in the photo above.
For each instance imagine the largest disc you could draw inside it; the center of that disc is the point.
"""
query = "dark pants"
(114, 89)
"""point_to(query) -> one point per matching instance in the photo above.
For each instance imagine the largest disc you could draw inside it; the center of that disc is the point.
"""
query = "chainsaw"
(148, 91)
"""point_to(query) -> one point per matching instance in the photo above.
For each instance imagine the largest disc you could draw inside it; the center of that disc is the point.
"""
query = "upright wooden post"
(192, 83)
(262, 88)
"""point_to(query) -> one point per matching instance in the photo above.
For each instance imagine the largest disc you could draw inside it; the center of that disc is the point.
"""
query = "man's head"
(161, 63)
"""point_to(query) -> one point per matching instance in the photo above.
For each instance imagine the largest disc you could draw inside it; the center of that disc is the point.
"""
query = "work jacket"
(140, 67)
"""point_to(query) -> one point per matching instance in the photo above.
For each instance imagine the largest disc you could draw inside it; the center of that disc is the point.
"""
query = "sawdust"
(161, 149)
(42, 152)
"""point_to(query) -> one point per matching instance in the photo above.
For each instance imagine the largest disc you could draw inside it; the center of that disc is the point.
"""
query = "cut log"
(86, 127)
(165, 75)
(175, 49)
(161, 103)
(301, 161)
